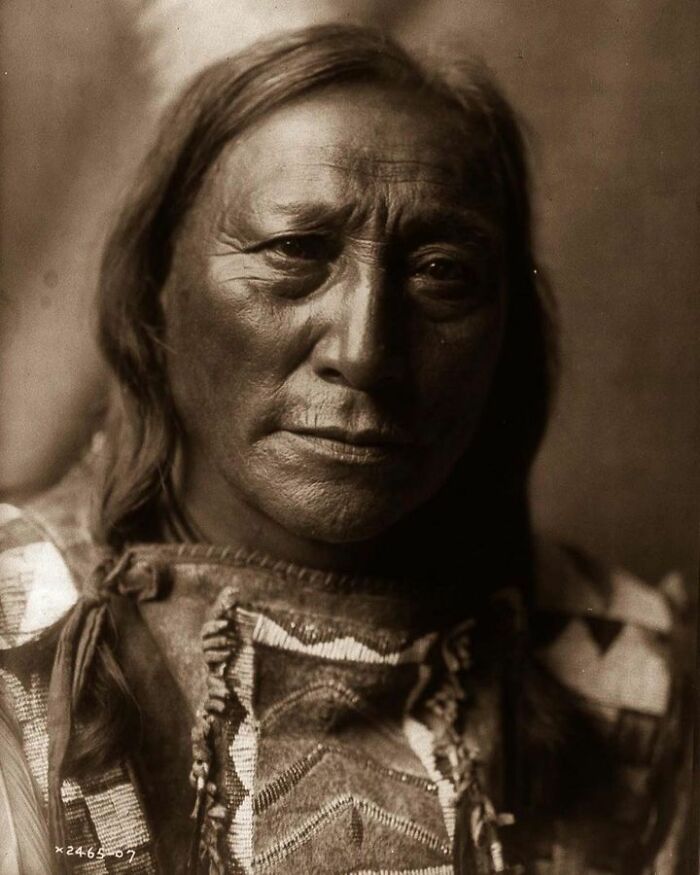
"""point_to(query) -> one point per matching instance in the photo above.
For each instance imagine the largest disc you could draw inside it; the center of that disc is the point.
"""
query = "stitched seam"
(330, 812)
(278, 787)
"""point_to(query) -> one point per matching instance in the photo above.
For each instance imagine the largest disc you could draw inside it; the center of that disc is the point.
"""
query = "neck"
(442, 539)
(215, 514)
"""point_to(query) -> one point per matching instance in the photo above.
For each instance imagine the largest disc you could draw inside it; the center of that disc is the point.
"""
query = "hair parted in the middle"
(487, 492)
(222, 101)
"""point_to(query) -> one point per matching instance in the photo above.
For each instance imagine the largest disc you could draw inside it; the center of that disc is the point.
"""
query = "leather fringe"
(477, 847)
(211, 815)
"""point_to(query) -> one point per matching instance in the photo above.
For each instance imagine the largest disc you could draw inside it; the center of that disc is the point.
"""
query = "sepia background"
(609, 91)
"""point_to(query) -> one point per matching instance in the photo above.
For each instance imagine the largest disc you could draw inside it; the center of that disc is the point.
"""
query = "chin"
(343, 519)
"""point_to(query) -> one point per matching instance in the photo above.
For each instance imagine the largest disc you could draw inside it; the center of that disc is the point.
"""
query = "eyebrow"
(451, 221)
(312, 212)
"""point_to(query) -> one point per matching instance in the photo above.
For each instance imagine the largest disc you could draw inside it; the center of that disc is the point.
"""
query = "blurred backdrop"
(610, 94)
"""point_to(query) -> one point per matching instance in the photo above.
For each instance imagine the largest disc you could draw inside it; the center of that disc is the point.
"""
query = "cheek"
(228, 355)
(455, 365)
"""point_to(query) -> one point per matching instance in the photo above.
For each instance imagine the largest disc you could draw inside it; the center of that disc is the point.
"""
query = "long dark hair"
(487, 492)
(143, 431)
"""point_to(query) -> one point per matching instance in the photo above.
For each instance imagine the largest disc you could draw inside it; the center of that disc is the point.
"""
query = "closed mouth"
(361, 438)
(365, 446)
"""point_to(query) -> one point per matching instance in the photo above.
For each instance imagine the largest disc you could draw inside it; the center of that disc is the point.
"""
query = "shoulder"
(622, 649)
(615, 641)
(45, 555)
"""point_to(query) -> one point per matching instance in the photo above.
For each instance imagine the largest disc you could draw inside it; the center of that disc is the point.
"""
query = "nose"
(357, 347)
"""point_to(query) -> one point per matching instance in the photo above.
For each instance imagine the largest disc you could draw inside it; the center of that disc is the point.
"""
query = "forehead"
(350, 144)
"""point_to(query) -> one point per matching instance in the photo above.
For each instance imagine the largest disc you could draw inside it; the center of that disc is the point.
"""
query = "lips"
(366, 437)
(362, 446)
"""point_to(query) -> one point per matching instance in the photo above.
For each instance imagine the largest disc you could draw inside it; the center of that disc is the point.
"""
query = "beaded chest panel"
(305, 751)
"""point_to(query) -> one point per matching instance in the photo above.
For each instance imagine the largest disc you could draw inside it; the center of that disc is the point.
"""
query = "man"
(302, 643)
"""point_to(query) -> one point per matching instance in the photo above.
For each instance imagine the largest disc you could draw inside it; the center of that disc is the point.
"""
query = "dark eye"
(443, 269)
(450, 278)
(301, 247)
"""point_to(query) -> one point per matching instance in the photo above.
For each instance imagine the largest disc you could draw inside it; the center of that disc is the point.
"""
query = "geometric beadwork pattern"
(421, 740)
(431, 870)
(104, 813)
(327, 769)
(106, 830)
(330, 811)
(28, 702)
(324, 777)
(36, 587)
(609, 639)
(103, 816)
(324, 642)
(241, 742)
(603, 677)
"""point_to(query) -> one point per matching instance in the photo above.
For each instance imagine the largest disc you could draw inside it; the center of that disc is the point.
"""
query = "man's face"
(334, 312)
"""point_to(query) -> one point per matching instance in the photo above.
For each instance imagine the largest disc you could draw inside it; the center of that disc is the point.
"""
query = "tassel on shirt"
(477, 848)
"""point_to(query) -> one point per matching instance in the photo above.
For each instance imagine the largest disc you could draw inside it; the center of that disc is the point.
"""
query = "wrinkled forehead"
(352, 145)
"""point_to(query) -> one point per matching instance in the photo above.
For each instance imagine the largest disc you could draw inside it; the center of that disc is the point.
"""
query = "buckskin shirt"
(295, 721)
